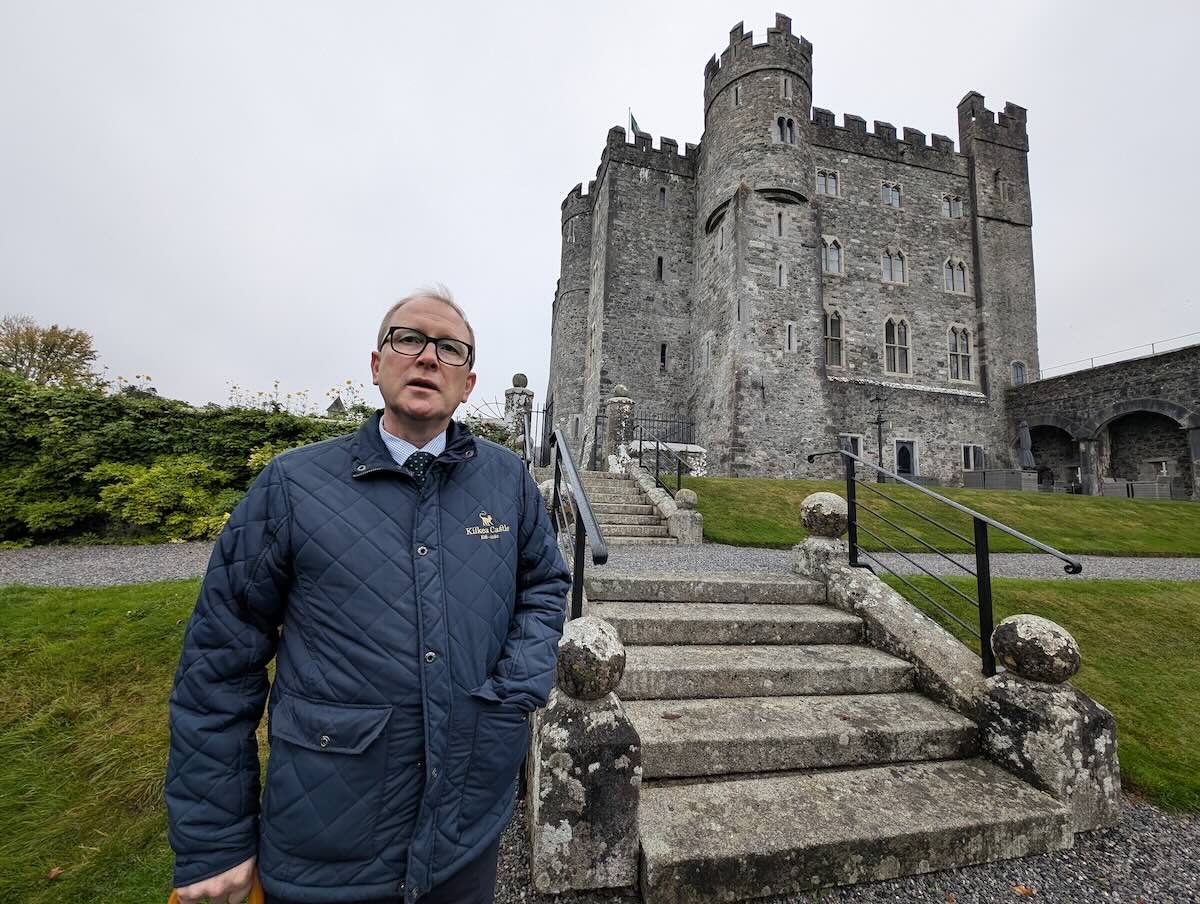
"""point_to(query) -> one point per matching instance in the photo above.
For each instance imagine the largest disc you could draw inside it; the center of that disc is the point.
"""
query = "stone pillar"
(685, 523)
(1045, 731)
(518, 403)
(1194, 454)
(825, 516)
(585, 770)
(618, 423)
(1089, 467)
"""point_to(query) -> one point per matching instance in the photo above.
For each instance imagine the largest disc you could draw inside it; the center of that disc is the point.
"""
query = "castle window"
(721, 238)
(658, 270)
(737, 95)
(892, 262)
(575, 428)
(831, 255)
(662, 356)
(954, 276)
(779, 224)
(895, 339)
(1018, 373)
(1003, 188)
(789, 341)
(833, 339)
(959, 341)
(791, 131)
(973, 457)
(571, 231)
(780, 276)
(787, 87)
(827, 182)
(851, 442)
(662, 198)
(889, 193)
(951, 207)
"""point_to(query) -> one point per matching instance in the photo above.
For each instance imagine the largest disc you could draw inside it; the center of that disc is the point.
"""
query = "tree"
(48, 356)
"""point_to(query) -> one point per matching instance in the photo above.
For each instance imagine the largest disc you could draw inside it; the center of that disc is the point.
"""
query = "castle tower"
(997, 149)
(756, 315)
(568, 332)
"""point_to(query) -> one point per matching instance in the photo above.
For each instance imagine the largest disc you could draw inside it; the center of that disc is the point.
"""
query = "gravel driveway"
(87, 566)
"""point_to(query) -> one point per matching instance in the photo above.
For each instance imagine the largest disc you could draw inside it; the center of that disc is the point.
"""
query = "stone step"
(780, 835)
(770, 734)
(607, 518)
(620, 508)
(714, 587)
(641, 541)
(540, 474)
(633, 530)
(631, 497)
(694, 671)
(728, 623)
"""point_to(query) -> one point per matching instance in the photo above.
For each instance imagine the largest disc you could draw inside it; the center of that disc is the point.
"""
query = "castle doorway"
(906, 458)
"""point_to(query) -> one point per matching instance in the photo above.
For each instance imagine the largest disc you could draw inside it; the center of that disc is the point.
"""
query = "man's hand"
(229, 887)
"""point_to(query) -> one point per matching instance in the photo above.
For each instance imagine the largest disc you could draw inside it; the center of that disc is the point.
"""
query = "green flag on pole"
(633, 126)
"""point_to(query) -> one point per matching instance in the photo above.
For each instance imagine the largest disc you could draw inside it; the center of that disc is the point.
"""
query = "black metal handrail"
(659, 447)
(980, 544)
(587, 531)
(527, 441)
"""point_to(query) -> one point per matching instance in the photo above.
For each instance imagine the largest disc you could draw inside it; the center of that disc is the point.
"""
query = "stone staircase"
(625, 515)
(780, 753)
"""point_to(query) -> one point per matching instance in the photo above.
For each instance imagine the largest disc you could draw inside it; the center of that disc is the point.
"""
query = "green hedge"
(80, 464)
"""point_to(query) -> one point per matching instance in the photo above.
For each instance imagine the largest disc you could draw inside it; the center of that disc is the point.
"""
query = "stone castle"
(787, 279)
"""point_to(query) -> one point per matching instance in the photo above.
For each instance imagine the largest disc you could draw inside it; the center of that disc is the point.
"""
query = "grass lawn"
(86, 674)
(1141, 658)
(748, 511)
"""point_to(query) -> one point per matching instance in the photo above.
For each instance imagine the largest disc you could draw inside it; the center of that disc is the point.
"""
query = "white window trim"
(853, 436)
(963, 458)
(916, 447)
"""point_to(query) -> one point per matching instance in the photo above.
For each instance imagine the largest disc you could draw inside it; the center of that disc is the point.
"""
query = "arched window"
(782, 124)
(791, 131)
(779, 224)
(827, 182)
(893, 265)
(780, 277)
(951, 207)
(833, 339)
(896, 348)
(831, 256)
(1018, 373)
(889, 193)
(658, 270)
(954, 276)
(959, 342)
(1003, 188)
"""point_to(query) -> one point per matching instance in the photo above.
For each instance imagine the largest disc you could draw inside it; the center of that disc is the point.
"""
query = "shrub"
(176, 498)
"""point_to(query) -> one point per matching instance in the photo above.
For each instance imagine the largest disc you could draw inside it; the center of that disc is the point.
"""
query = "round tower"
(756, 111)
(568, 334)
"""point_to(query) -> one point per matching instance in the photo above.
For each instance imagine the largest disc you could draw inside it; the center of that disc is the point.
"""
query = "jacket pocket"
(501, 739)
(325, 778)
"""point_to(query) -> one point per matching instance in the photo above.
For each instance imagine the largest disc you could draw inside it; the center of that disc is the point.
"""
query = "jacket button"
(324, 740)
(430, 656)
(421, 550)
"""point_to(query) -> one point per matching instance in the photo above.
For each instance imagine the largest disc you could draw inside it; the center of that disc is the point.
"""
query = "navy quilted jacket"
(413, 630)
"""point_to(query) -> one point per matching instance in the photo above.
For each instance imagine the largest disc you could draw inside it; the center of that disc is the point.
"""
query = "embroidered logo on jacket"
(488, 529)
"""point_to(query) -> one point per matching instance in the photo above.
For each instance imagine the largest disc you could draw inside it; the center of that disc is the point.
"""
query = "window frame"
(958, 360)
(1016, 367)
(950, 204)
(895, 194)
(828, 242)
(830, 315)
(823, 175)
(893, 348)
(856, 439)
(967, 461)
(892, 255)
(916, 455)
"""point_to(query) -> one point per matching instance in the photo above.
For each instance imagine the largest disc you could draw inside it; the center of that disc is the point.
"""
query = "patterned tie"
(417, 465)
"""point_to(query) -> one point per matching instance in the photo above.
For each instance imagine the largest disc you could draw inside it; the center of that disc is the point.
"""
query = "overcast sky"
(233, 192)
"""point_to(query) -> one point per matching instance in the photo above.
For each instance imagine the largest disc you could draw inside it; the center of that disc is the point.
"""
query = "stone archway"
(1056, 452)
(1142, 439)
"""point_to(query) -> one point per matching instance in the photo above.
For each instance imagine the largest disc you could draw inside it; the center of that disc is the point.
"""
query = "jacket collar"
(368, 454)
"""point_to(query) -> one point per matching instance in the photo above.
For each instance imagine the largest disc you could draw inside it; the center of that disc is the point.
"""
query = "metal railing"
(642, 435)
(979, 543)
(571, 511)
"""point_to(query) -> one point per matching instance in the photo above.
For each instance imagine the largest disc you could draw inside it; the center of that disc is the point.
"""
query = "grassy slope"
(83, 740)
(1141, 658)
(765, 512)
(86, 675)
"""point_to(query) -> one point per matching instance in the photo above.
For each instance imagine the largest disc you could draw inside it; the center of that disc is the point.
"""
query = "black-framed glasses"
(404, 340)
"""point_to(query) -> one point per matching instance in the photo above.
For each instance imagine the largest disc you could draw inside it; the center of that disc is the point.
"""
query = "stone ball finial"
(824, 515)
(520, 381)
(620, 391)
(591, 658)
(1037, 648)
(686, 500)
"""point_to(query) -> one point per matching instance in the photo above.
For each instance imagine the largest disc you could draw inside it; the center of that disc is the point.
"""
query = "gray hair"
(436, 292)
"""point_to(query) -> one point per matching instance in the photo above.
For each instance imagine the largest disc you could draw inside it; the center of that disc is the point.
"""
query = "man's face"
(422, 391)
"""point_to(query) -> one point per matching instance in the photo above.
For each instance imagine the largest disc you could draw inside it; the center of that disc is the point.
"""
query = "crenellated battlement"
(882, 141)
(977, 122)
(579, 201)
(782, 50)
(641, 152)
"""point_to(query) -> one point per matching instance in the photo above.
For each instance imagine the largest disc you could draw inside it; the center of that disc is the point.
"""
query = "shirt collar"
(400, 448)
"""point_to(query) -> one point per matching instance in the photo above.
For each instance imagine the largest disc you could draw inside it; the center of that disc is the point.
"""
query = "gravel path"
(1149, 856)
(88, 566)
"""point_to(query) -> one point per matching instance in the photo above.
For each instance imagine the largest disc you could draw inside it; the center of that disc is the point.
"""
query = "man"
(407, 580)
